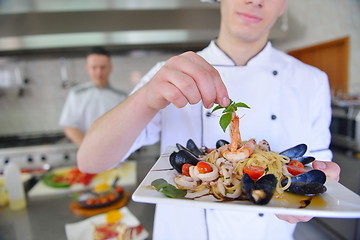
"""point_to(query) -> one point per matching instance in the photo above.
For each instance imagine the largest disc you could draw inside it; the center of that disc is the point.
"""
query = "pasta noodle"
(229, 173)
(271, 161)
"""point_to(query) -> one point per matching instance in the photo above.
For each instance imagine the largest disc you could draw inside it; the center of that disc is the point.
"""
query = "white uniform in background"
(85, 103)
(290, 104)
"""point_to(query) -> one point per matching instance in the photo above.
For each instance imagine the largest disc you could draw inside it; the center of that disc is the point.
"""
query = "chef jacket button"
(261, 214)
(275, 72)
(208, 114)
(273, 117)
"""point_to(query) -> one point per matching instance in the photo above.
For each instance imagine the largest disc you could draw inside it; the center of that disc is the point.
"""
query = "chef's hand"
(331, 170)
(184, 79)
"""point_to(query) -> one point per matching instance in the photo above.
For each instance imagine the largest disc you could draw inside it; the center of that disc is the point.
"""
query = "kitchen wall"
(316, 21)
(37, 107)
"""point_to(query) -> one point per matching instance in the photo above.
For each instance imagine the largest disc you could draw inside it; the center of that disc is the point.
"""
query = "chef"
(289, 100)
(88, 101)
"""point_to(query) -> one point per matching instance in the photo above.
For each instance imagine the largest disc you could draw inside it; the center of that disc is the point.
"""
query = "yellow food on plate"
(113, 216)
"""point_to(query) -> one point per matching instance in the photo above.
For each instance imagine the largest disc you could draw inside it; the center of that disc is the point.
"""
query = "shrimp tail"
(235, 133)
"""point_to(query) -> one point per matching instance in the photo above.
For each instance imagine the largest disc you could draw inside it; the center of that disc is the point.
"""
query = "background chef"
(88, 101)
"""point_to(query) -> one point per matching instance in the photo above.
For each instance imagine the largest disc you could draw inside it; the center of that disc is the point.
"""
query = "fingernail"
(210, 105)
(225, 102)
(321, 165)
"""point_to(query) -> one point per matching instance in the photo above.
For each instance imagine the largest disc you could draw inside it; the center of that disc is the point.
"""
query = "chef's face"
(99, 68)
(250, 20)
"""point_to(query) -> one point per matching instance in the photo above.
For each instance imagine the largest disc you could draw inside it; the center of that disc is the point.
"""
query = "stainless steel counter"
(45, 218)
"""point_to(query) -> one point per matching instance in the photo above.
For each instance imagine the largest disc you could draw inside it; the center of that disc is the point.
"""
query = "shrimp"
(235, 133)
(233, 152)
(242, 153)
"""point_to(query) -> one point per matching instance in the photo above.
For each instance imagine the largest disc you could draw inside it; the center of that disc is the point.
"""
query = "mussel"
(177, 159)
(304, 159)
(191, 145)
(221, 142)
(261, 191)
(309, 183)
(297, 151)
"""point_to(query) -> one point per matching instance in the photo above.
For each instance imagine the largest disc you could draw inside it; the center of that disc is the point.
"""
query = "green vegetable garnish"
(228, 111)
(167, 189)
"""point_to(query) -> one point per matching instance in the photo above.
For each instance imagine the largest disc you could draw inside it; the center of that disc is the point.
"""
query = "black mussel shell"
(309, 183)
(307, 189)
(194, 148)
(180, 147)
(261, 191)
(309, 176)
(221, 142)
(304, 159)
(177, 159)
(297, 151)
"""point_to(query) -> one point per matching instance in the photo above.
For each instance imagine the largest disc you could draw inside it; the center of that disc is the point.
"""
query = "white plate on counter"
(337, 202)
(84, 230)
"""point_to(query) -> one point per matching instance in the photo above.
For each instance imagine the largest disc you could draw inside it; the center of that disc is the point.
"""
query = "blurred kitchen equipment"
(14, 187)
(345, 124)
(37, 150)
(65, 82)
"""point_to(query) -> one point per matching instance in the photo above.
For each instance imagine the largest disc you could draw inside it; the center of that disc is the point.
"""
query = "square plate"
(83, 230)
(337, 202)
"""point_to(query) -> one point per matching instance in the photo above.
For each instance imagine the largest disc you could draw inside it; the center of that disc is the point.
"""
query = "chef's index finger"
(220, 96)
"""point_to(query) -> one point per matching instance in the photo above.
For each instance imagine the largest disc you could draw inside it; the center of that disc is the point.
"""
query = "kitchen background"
(42, 54)
(32, 80)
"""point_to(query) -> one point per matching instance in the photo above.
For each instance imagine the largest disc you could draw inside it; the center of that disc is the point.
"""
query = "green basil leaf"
(227, 113)
(225, 120)
(167, 189)
(159, 183)
(217, 108)
(240, 104)
(172, 192)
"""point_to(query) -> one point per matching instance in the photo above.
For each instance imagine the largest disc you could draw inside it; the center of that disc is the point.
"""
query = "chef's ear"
(283, 7)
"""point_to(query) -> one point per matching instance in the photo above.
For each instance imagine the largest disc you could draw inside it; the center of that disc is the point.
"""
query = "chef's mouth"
(250, 18)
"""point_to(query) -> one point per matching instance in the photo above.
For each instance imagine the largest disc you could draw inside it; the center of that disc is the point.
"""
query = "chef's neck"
(241, 51)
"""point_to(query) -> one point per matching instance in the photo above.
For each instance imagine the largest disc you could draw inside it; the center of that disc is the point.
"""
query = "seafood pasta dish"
(242, 170)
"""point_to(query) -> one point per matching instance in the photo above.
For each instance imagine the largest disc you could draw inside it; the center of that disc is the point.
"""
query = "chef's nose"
(260, 3)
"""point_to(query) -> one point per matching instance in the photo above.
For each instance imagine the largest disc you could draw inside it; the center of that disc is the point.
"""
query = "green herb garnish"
(167, 189)
(228, 111)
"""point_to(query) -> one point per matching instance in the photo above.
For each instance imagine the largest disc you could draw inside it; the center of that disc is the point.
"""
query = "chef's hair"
(98, 50)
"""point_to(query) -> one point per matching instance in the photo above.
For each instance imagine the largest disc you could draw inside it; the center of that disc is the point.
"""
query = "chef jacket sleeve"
(321, 118)
(68, 116)
(151, 133)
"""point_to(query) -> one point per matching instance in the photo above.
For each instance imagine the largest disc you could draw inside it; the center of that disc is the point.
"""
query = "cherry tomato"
(204, 167)
(59, 178)
(111, 197)
(296, 163)
(103, 200)
(295, 170)
(254, 172)
(139, 228)
(90, 201)
(119, 189)
(185, 169)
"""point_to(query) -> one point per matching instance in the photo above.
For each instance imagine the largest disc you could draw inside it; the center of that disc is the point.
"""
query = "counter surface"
(45, 218)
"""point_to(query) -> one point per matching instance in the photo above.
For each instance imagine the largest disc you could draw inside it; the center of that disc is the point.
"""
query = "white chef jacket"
(290, 104)
(86, 102)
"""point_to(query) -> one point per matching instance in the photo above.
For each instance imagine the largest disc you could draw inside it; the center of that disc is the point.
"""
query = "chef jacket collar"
(219, 57)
